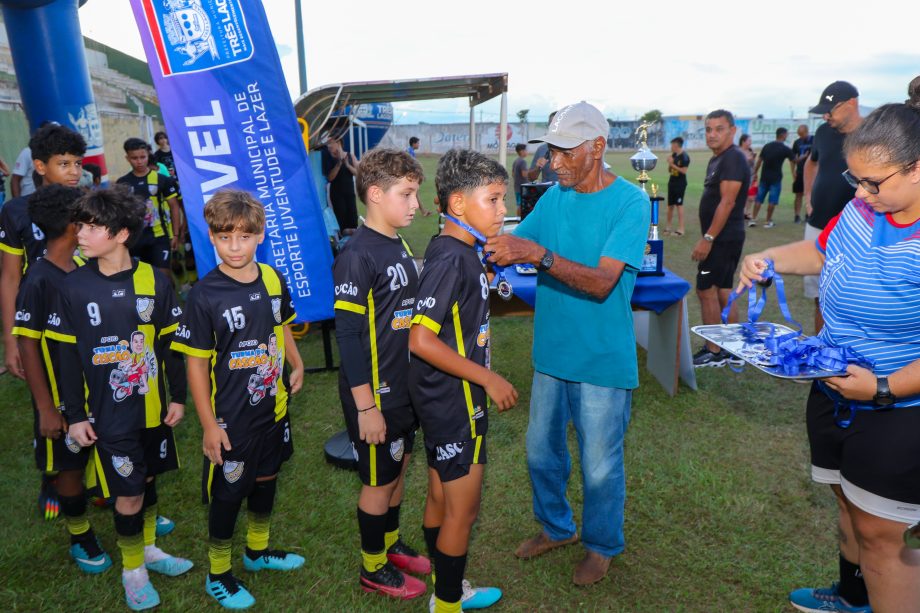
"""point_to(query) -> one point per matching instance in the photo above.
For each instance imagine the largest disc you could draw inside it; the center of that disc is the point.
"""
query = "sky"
(682, 58)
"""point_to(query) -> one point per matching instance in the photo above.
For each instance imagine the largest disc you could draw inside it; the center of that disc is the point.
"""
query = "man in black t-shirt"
(772, 157)
(339, 168)
(802, 149)
(728, 176)
(826, 191)
(677, 184)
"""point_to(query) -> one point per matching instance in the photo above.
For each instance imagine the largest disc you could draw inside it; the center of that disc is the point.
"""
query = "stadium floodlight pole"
(301, 52)
(503, 131)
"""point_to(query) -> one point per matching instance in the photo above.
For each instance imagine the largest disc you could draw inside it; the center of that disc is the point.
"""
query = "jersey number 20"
(397, 276)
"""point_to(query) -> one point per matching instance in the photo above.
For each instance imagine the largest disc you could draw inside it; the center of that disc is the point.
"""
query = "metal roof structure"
(322, 109)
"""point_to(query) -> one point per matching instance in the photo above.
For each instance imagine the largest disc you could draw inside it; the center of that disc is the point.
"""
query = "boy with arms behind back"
(235, 332)
(449, 373)
(113, 319)
(51, 209)
(375, 280)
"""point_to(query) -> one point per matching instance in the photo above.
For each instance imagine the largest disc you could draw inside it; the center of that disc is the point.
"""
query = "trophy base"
(653, 260)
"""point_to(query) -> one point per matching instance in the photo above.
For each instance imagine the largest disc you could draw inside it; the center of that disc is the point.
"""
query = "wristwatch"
(883, 396)
(546, 261)
(709, 238)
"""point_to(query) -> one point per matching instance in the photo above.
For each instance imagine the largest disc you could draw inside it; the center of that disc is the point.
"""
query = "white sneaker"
(769, 224)
(752, 223)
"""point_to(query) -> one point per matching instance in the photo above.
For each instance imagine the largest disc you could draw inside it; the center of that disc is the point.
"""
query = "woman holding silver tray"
(864, 428)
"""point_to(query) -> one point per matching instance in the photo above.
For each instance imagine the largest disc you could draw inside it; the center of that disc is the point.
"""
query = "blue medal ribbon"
(505, 291)
(790, 352)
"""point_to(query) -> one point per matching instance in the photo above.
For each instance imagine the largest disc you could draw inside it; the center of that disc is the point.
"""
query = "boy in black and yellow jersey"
(114, 319)
(235, 332)
(375, 283)
(161, 197)
(449, 372)
(51, 209)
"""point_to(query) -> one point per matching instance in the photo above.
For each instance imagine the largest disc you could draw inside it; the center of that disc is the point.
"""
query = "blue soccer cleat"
(228, 591)
(822, 600)
(474, 597)
(142, 599)
(164, 526)
(170, 566)
(89, 556)
(271, 559)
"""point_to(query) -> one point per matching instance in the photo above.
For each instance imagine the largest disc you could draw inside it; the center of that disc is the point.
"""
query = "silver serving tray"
(730, 337)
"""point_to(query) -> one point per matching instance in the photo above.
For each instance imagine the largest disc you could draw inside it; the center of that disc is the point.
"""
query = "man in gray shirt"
(541, 161)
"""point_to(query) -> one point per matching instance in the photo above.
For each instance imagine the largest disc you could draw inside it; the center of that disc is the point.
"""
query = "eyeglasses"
(870, 185)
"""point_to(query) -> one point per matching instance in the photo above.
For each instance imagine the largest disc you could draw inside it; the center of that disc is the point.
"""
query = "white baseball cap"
(573, 125)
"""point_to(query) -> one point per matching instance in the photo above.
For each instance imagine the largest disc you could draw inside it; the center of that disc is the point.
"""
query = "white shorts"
(873, 504)
(811, 281)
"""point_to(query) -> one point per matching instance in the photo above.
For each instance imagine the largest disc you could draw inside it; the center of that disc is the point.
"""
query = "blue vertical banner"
(231, 123)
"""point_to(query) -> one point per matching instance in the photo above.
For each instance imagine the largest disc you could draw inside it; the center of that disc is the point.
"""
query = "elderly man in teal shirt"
(586, 236)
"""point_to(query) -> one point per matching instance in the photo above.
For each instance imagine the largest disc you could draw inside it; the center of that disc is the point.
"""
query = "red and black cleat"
(389, 581)
(407, 559)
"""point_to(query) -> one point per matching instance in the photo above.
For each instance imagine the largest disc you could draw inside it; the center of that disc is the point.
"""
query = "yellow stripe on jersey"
(17, 331)
(467, 394)
(49, 455)
(49, 368)
(195, 353)
(210, 479)
(61, 338)
(145, 286)
(372, 333)
(476, 451)
(273, 286)
(349, 306)
(406, 246)
(373, 463)
(169, 329)
(100, 474)
(427, 322)
(12, 250)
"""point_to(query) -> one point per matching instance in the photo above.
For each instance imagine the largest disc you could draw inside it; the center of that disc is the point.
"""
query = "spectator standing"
(678, 164)
(519, 172)
(722, 225)
(802, 149)
(340, 167)
(771, 158)
(21, 182)
(541, 161)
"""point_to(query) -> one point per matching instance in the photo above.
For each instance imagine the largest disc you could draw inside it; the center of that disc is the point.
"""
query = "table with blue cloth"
(660, 320)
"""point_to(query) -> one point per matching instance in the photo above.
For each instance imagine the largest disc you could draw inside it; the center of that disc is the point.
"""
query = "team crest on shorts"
(276, 309)
(144, 308)
(123, 465)
(71, 444)
(233, 471)
(397, 448)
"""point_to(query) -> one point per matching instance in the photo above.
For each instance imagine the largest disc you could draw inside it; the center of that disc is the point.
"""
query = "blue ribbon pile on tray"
(789, 352)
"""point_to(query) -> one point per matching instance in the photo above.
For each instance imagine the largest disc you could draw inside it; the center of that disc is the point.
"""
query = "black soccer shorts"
(453, 460)
(121, 466)
(260, 455)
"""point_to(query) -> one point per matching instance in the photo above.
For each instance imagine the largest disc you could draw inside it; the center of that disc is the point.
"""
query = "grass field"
(720, 513)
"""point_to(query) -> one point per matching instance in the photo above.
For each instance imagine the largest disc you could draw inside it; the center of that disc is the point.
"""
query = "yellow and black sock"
(130, 531)
(221, 521)
(259, 511)
(73, 508)
(449, 589)
(150, 513)
(392, 527)
(373, 541)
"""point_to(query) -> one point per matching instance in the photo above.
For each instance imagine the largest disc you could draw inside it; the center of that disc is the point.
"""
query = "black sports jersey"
(239, 327)
(155, 190)
(34, 303)
(375, 277)
(453, 302)
(116, 330)
(18, 235)
(677, 178)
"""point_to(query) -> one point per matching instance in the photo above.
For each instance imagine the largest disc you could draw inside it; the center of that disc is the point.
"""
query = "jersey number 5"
(235, 318)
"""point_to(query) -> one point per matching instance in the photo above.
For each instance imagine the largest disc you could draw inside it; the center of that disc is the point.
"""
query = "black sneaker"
(798, 219)
(707, 359)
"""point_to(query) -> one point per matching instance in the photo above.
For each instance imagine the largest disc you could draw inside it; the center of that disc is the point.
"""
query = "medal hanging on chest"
(503, 287)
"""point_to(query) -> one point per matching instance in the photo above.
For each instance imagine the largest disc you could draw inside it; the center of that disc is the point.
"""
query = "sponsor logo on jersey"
(397, 448)
(107, 354)
(144, 308)
(255, 296)
(407, 302)
(118, 293)
(248, 358)
(426, 303)
(478, 412)
(276, 309)
(448, 451)
(123, 465)
(384, 388)
(482, 339)
(233, 471)
(402, 319)
(346, 289)
(71, 444)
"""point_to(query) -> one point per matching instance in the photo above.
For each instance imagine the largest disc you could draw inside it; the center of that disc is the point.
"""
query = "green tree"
(522, 115)
(653, 116)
